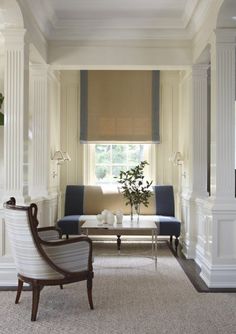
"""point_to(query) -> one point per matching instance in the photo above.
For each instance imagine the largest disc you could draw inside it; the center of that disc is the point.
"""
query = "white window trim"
(89, 163)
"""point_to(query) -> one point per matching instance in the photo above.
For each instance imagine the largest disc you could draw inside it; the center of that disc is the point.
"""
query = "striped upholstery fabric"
(49, 235)
(71, 257)
(29, 261)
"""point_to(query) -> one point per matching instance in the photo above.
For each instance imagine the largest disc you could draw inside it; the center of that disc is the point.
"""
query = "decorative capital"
(14, 37)
(200, 70)
(226, 37)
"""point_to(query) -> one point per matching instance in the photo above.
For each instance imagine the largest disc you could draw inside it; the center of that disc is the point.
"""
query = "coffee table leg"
(155, 244)
(152, 241)
(118, 242)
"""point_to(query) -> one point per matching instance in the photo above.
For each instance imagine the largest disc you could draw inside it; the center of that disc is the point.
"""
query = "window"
(104, 161)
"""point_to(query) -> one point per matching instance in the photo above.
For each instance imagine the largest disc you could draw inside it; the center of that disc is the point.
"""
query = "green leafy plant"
(134, 188)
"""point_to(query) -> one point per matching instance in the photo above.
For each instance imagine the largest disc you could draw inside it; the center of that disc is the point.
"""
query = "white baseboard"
(218, 276)
(8, 275)
(188, 249)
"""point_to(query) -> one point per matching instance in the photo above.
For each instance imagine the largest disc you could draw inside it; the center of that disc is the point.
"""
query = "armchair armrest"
(69, 256)
(49, 233)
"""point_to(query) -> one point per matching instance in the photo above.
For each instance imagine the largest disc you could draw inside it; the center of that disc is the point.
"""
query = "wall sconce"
(66, 156)
(176, 158)
(60, 157)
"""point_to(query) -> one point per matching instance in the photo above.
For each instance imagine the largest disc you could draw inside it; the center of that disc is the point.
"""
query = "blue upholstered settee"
(83, 202)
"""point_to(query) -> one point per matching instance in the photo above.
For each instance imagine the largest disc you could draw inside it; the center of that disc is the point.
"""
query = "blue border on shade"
(155, 106)
(83, 106)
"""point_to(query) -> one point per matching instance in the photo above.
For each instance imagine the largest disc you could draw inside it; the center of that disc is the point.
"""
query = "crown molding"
(121, 34)
(30, 22)
(177, 68)
(189, 11)
(203, 38)
(108, 25)
(117, 23)
(129, 43)
(200, 15)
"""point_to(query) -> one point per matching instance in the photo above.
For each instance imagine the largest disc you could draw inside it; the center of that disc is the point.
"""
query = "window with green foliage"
(107, 160)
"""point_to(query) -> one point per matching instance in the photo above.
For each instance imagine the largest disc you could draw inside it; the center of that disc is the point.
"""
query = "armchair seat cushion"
(70, 224)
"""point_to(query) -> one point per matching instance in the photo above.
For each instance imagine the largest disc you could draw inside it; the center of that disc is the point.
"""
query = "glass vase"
(135, 212)
(131, 212)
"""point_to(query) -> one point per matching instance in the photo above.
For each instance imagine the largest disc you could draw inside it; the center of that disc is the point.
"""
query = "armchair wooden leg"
(35, 301)
(19, 289)
(61, 286)
(89, 291)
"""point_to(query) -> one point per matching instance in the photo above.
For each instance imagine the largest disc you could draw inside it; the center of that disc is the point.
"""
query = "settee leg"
(118, 242)
(176, 244)
(171, 237)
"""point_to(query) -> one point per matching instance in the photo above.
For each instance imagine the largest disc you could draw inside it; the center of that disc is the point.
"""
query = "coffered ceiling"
(118, 19)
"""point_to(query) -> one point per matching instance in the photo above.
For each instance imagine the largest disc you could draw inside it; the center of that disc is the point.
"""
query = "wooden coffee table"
(126, 226)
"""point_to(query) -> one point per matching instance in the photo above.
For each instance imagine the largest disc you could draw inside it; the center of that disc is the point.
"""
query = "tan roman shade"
(119, 106)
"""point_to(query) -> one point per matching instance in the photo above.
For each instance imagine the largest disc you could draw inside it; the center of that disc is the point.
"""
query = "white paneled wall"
(71, 171)
(1, 128)
(70, 120)
(54, 126)
(169, 114)
(184, 126)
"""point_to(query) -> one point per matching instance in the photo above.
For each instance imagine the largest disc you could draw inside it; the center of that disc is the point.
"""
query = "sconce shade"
(176, 158)
(66, 156)
(61, 157)
(58, 156)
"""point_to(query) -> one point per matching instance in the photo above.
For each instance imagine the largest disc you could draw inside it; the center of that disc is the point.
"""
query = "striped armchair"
(42, 257)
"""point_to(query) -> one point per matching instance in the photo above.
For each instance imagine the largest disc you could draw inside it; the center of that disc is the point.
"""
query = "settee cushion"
(165, 203)
(169, 226)
(74, 200)
(69, 224)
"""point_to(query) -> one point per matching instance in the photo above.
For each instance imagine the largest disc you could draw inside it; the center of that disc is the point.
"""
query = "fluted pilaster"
(16, 86)
(39, 126)
(224, 119)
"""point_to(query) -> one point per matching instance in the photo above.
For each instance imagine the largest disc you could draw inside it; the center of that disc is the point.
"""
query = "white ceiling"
(118, 19)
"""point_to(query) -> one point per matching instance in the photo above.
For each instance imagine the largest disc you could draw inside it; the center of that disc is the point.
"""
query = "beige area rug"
(131, 295)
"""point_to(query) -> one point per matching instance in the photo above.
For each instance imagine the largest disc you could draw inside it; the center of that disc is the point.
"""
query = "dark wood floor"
(192, 271)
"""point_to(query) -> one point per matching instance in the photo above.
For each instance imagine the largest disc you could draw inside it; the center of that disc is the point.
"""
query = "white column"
(218, 265)
(16, 91)
(223, 116)
(39, 131)
(197, 160)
